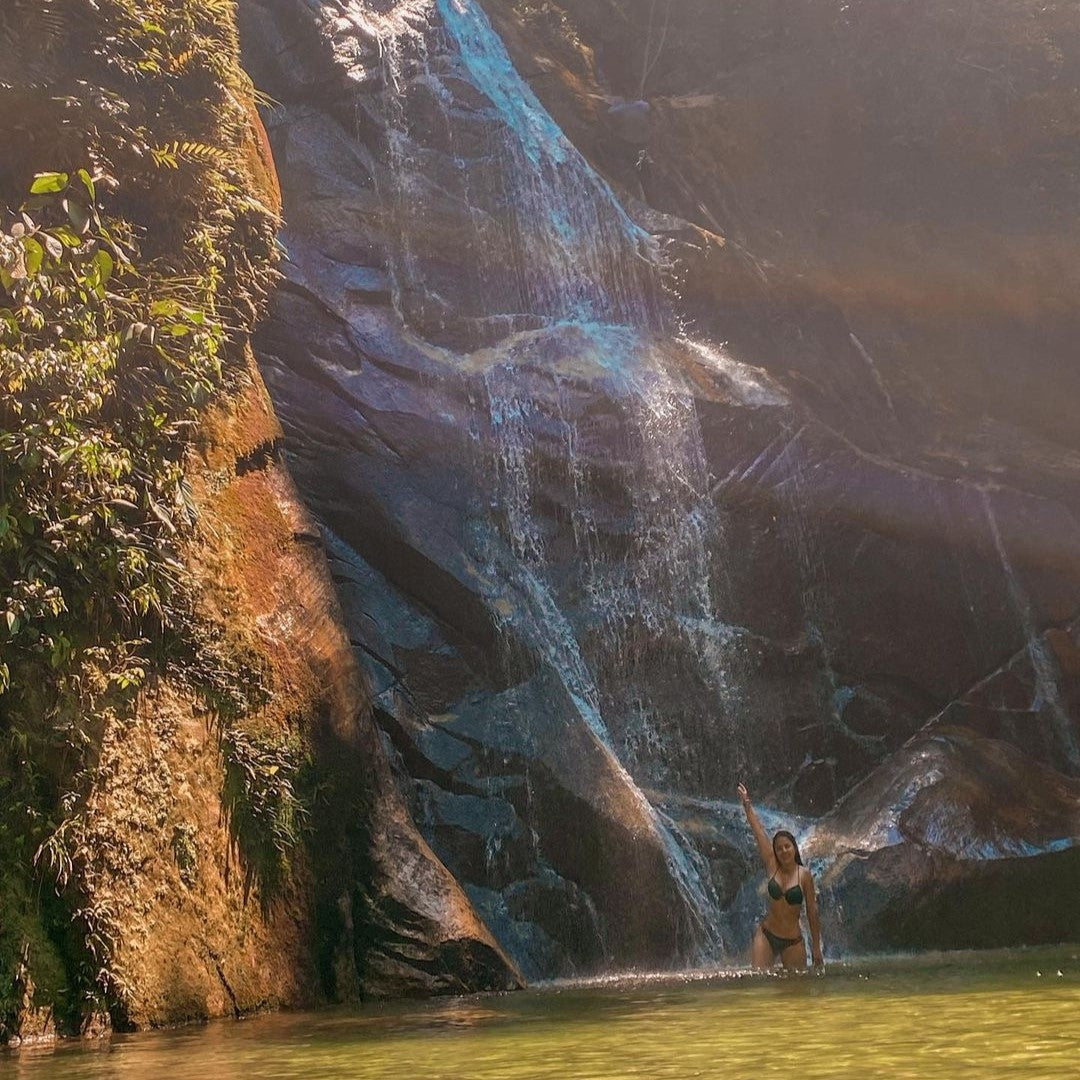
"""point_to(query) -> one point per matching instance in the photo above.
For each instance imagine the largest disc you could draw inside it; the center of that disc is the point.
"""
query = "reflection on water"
(967, 1015)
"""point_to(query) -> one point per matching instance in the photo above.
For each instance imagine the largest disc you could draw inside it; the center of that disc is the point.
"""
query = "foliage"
(265, 814)
(133, 262)
(22, 923)
(185, 852)
(102, 375)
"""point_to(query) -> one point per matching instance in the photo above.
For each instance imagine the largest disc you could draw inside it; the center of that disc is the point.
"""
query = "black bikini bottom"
(779, 944)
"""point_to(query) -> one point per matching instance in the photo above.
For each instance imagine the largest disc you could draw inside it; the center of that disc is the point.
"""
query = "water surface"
(959, 1015)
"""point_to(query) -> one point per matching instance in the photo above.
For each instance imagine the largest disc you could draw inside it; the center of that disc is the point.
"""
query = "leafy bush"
(133, 262)
(103, 372)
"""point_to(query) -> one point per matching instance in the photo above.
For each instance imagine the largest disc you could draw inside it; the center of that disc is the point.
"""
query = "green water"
(961, 1015)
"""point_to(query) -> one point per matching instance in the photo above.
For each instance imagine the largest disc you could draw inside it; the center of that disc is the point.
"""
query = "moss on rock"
(134, 256)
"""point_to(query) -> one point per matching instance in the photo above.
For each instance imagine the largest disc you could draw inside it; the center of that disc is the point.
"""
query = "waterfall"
(549, 238)
(550, 264)
(664, 538)
(578, 255)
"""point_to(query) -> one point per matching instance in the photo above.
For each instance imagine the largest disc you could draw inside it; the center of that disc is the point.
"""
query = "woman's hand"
(764, 847)
(819, 962)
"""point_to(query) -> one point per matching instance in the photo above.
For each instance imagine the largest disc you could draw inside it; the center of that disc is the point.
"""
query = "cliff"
(676, 394)
(874, 205)
(199, 817)
(685, 390)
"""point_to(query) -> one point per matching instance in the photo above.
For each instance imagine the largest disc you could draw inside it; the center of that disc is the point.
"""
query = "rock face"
(369, 908)
(952, 822)
(199, 816)
(710, 420)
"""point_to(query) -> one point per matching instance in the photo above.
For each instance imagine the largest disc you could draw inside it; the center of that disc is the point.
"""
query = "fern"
(181, 61)
(170, 155)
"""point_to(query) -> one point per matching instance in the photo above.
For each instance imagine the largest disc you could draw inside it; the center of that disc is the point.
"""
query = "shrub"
(133, 262)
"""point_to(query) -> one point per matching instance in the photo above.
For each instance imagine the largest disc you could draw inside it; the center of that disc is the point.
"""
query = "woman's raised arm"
(764, 847)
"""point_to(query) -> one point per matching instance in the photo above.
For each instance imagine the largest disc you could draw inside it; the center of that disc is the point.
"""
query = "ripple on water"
(1005, 1014)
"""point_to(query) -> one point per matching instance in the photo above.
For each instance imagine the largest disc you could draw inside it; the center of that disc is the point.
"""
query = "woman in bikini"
(790, 886)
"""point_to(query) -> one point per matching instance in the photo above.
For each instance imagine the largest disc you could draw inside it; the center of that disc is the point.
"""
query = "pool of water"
(957, 1015)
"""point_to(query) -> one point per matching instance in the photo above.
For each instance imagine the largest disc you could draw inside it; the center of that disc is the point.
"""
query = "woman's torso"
(786, 896)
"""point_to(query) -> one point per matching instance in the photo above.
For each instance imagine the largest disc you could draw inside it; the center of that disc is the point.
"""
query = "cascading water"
(577, 254)
(551, 250)
(662, 537)
(550, 240)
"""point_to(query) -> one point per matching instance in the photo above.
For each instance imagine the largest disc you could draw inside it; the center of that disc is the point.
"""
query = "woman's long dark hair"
(794, 844)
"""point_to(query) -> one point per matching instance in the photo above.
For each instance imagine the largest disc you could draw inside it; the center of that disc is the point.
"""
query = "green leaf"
(88, 183)
(68, 236)
(165, 308)
(105, 264)
(49, 182)
(35, 255)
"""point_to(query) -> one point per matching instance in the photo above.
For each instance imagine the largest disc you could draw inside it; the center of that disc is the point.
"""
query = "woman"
(790, 886)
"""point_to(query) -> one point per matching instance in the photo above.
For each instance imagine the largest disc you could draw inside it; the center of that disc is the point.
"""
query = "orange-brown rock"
(367, 907)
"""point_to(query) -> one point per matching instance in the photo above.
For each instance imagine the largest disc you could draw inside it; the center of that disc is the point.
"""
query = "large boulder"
(958, 841)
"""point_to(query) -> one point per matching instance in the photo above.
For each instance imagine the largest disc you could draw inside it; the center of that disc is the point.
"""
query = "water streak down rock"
(599, 566)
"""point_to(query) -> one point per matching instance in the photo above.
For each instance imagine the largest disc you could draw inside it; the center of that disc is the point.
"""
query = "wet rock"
(538, 955)
(581, 559)
(938, 847)
(482, 836)
(814, 786)
(566, 915)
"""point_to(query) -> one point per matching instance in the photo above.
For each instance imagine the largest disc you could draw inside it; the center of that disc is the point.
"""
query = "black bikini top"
(794, 895)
